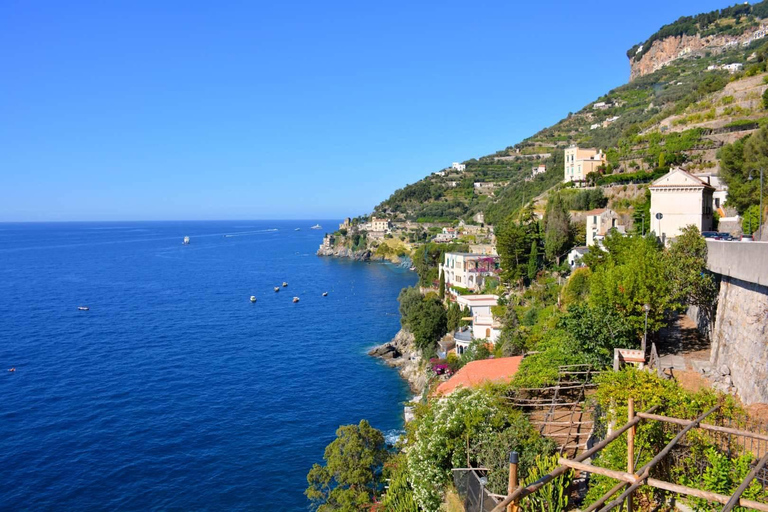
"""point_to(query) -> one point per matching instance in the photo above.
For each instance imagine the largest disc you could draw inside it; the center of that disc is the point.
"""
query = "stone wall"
(740, 337)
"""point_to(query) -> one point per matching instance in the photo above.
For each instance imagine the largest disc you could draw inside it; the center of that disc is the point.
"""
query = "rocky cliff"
(401, 353)
(664, 51)
(344, 252)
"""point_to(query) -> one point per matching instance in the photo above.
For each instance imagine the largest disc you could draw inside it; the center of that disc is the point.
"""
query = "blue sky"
(139, 110)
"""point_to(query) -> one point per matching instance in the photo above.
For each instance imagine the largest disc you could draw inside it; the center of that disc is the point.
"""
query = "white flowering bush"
(441, 439)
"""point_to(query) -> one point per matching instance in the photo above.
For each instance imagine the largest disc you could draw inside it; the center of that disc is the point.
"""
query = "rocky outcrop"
(345, 252)
(664, 51)
(401, 353)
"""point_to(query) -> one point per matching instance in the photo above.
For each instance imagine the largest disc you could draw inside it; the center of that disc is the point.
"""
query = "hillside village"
(613, 263)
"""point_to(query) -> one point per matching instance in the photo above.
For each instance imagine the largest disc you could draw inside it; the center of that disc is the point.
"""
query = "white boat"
(295, 299)
(325, 294)
(83, 308)
(253, 298)
(277, 288)
(186, 240)
(297, 229)
(285, 284)
(316, 226)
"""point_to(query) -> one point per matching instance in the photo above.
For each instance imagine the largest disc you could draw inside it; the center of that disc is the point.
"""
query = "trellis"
(632, 479)
(568, 396)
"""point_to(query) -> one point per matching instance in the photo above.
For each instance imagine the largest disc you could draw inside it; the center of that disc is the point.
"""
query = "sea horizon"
(174, 390)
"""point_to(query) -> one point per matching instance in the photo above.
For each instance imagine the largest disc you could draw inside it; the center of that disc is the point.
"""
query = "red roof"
(597, 211)
(476, 373)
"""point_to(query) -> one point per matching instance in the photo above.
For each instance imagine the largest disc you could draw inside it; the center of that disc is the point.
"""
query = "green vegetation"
(738, 161)
(424, 316)
(349, 479)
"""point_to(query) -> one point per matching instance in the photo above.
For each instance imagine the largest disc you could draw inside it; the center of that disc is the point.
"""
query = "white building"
(576, 255)
(484, 326)
(538, 169)
(448, 235)
(720, 195)
(733, 68)
(468, 270)
(679, 199)
(458, 167)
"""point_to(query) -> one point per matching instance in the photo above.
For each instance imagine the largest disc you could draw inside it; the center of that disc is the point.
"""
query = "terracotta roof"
(476, 373)
(597, 211)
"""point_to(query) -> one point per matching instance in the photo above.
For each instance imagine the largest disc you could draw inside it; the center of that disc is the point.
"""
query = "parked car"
(712, 235)
(725, 236)
(747, 238)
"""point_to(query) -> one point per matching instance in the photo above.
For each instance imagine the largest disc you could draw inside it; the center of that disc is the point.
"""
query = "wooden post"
(630, 447)
(513, 484)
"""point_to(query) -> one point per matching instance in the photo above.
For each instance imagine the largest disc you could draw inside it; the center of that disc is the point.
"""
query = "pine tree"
(533, 261)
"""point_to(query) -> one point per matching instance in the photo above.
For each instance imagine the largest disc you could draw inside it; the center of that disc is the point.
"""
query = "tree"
(453, 316)
(512, 242)
(557, 230)
(409, 299)
(348, 480)
(441, 289)
(737, 161)
(533, 261)
(634, 273)
(765, 99)
(428, 323)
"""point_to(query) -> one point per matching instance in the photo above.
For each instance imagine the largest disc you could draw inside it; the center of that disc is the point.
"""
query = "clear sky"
(134, 110)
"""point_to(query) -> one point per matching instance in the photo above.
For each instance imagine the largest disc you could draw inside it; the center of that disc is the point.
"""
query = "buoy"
(253, 298)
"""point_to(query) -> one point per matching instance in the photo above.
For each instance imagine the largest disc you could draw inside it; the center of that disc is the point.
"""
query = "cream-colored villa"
(581, 161)
(679, 199)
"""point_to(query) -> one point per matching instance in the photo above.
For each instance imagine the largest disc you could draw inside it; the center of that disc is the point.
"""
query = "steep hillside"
(679, 113)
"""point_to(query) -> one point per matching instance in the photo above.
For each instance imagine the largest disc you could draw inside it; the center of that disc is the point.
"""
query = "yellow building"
(581, 161)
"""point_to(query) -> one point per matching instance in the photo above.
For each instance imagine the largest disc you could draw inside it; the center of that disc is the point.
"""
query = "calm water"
(174, 391)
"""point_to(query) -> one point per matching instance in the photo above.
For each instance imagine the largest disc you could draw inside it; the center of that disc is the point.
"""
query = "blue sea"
(174, 391)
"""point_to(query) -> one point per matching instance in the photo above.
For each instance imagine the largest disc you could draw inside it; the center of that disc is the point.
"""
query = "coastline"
(401, 353)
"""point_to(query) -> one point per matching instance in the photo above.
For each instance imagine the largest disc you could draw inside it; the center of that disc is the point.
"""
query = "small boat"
(297, 229)
(412, 269)
(253, 298)
(11, 369)
(277, 288)
(83, 308)
(295, 299)
(285, 284)
(316, 226)
(325, 294)
(186, 240)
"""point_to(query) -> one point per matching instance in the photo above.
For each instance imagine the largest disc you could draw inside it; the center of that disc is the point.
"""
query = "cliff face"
(401, 353)
(667, 50)
(344, 252)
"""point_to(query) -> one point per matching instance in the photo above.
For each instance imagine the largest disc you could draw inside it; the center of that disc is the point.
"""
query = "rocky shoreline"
(401, 353)
(344, 252)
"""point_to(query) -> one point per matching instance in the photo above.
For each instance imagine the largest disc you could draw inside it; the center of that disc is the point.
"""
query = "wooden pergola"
(629, 481)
